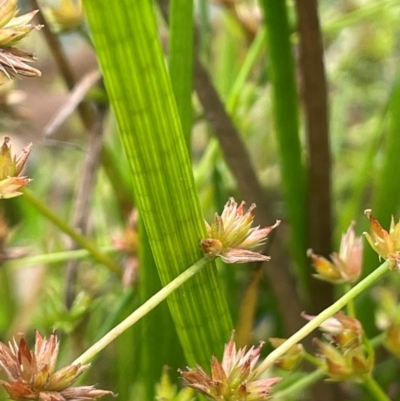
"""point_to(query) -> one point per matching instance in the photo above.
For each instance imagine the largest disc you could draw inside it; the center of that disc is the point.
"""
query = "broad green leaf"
(132, 62)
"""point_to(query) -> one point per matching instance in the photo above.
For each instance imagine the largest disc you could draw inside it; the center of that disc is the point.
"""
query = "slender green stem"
(375, 389)
(299, 385)
(77, 237)
(313, 324)
(55, 257)
(143, 310)
(351, 310)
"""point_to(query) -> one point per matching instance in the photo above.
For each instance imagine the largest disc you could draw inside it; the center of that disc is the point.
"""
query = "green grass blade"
(282, 75)
(181, 60)
(140, 92)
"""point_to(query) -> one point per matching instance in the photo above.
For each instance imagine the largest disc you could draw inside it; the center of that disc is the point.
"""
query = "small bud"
(385, 244)
(231, 236)
(10, 168)
(166, 391)
(67, 16)
(345, 266)
(291, 359)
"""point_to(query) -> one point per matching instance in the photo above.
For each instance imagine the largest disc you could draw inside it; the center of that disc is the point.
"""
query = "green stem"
(143, 310)
(55, 257)
(328, 312)
(77, 237)
(299, 385)
(375, 389)
(351, 310)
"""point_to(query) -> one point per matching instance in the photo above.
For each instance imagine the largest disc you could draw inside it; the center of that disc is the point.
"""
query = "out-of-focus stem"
(77, 237)
(375, 389)
(143, 310)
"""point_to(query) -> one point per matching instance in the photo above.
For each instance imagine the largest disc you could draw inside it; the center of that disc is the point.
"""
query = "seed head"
(32, 375)
(233, 379)
(231, 237)
(12, 29)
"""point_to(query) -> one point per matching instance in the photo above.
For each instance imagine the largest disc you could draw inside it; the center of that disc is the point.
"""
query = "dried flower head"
(231, 236)
(344, 267)
(385, 244)
(292, 358)
(233, 379)
(67, 16)
(12, 29)
(10, 168)
(32, 375)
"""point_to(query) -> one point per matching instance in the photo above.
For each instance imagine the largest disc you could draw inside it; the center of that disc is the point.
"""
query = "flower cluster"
(344, 267)
(32, 375)
(10, 168)
(233, 379)
(385, 244)
(348, 355)
(231, 237)
(12, 29)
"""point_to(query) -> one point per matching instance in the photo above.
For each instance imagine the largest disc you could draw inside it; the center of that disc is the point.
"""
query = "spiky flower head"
(12, 29)
(385, 244)
(10, 168)
(66, 16)
(233, 379)
(231, 237)
(32, 375)
(345, 266)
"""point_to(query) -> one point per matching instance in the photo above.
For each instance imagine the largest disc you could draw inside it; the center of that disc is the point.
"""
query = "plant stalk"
(75, 235)
(143, 310)
(325, 314)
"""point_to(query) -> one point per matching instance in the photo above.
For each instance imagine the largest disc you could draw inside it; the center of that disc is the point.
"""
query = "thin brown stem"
(314, 94)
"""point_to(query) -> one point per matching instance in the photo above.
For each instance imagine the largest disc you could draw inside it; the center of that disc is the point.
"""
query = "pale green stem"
(351, 310)
(55, 257)
(328, 312)
(75, 235)
(375, 389)
(143, 310)
(299, 385)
